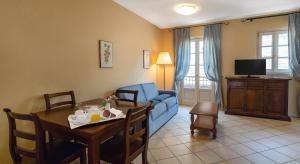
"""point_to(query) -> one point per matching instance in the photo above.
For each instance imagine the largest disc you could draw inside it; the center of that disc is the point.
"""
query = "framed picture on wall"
(106, 54)
(146, 59)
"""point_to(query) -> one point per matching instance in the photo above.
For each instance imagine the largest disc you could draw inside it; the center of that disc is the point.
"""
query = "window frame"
(275, 45)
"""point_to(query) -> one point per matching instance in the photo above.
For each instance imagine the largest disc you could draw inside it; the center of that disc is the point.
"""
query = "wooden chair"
(48, 98)
(50, 106)
(121, 91)
(123, 149)
(51, 153)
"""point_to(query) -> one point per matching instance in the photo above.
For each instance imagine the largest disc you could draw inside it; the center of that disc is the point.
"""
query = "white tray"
(75, 124)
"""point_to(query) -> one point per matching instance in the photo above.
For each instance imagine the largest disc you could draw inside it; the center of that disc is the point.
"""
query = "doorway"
(196, 87)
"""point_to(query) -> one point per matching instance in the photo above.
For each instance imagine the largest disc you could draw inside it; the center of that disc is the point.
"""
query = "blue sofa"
(165, 103)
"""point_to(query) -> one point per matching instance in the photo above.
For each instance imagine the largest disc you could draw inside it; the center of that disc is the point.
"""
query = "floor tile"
(239, 160)
(213, 144)
(223, 162)
(226, 141)
(196, 146)
(171, 141)
(269, 143)
(295, 147)
(190, 159)
(225, 153)
(186, 138)
(150, 157)
(179, 150)
(161, 153)
(293, 162)
(168, 161)
(157, 143)
(239, 138)
(259, 159)
(289, 152)
(178, 132)
(242, 149)
(256, 146)
(209, 156)
(276, 156)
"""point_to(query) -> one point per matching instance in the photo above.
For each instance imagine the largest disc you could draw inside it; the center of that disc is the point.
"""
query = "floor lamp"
(164, 59)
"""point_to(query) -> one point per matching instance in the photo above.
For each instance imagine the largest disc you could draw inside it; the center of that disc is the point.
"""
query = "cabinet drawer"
(275, 85)
(255, 84)
(237, 84)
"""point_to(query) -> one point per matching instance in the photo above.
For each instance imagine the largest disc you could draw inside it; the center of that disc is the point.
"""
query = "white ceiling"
(161, 12)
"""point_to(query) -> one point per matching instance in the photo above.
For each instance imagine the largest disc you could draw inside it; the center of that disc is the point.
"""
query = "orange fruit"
(95, 118)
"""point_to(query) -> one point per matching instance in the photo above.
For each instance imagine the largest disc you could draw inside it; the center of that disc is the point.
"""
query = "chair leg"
(83, 157)
(144, 157)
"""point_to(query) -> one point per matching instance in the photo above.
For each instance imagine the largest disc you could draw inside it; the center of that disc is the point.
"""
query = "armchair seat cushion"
(158, 110)
(171, 101)
(162, 97)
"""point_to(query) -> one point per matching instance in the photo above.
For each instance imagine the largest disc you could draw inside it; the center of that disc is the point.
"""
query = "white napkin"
(115, 112)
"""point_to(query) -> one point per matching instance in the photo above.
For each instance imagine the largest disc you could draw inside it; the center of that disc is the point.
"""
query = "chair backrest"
(39, 137)
(136, 128)
(48, 98)
(119, 92)
(141, 98)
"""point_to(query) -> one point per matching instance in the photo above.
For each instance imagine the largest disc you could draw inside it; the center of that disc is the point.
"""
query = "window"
(196, 67)
(273, 46)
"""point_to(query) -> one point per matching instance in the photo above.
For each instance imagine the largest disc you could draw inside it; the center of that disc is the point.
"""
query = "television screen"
(250, 67)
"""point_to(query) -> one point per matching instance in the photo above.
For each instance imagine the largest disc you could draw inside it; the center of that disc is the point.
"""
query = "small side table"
(207, 117)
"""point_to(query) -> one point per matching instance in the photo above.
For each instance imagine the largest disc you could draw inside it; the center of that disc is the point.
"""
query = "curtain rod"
(199, 25)
(268, 16)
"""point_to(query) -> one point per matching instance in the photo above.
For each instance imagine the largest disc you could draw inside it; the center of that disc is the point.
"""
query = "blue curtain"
(181, 45)
(212, 59)
(294, 44)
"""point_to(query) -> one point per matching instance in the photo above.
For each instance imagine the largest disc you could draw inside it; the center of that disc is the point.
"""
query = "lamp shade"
(164, 58)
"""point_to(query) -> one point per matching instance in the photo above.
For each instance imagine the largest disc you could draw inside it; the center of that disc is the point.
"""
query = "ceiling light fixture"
(186, 8)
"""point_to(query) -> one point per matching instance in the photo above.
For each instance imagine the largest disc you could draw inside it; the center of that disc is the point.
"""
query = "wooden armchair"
(123, 149)
(44, 153)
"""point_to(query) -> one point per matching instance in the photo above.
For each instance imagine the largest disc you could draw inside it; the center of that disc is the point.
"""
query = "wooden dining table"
(56, 121)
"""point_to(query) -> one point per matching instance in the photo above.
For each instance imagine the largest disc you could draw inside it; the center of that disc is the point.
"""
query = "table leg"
(93, 152)
(192, 124)
(215, 128)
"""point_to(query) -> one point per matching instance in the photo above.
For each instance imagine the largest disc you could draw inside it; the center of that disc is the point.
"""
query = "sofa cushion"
(150, 91)
(162, 97)
(171, 101)
(154, 102)
(141, 96)
(158, 110)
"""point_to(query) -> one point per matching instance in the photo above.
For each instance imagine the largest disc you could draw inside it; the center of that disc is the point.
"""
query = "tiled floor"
(240, 140)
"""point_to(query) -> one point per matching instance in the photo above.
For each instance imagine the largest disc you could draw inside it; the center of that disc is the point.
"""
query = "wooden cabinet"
(260, 97)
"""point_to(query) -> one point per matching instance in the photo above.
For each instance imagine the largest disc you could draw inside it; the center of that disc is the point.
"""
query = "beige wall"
(239, 41)
(52, 45)
(167, 40)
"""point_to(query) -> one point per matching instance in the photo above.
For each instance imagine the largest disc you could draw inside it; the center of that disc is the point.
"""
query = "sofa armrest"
(170, 92)
(134, 92)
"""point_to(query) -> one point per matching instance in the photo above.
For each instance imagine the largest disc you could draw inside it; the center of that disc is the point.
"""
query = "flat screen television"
(250, 67)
